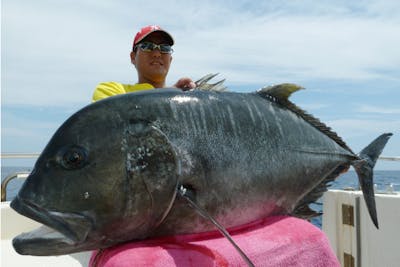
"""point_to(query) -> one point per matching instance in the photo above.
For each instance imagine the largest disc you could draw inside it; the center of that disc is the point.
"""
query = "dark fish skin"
(110, 173)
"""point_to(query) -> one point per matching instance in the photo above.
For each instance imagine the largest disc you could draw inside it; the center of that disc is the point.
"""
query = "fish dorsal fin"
(280, 94)
(202, 83)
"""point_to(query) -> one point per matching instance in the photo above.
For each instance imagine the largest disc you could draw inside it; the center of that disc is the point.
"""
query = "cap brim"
(169, 37)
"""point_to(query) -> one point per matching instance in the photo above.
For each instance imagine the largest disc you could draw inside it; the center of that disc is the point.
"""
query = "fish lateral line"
(322, 152)
(188, 194)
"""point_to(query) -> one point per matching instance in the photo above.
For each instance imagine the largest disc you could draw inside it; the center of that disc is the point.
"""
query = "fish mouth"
(61, 233)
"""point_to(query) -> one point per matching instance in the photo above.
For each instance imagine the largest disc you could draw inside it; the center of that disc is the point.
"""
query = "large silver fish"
(115, 170)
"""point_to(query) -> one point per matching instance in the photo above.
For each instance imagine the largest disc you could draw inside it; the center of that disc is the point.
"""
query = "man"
(276, 240)
(152, 55)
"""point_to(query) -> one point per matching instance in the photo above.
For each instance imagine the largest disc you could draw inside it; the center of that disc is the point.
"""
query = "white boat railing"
(4, 183)
(19, 155)
(389, 158)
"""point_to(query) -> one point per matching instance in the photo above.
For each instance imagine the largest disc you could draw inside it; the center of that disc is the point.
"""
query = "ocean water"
(383, 180)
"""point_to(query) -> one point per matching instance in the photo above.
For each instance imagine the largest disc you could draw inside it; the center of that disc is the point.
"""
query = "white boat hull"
(351, 233)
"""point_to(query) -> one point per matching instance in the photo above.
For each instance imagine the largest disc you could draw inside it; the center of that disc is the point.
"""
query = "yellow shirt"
(107, 89)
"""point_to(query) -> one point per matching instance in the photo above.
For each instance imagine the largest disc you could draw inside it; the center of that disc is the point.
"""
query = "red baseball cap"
(145, 31)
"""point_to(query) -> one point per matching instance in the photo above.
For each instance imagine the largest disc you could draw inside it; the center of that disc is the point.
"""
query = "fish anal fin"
(302, 209)
(306, 213)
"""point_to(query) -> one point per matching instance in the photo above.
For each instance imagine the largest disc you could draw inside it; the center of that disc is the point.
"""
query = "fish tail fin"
(364, 169)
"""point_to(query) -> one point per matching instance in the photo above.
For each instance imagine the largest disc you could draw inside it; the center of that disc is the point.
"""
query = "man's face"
(152, 67)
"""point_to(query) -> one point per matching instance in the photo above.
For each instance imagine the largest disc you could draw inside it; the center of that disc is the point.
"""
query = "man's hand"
(185, 84)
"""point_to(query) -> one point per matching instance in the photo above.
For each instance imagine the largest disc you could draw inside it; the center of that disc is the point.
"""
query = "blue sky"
(345, 53)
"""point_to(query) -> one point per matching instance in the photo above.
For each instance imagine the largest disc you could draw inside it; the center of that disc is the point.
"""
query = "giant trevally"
(115, 170)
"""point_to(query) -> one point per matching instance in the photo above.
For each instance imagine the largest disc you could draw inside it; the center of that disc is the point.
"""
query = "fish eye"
(73, 157)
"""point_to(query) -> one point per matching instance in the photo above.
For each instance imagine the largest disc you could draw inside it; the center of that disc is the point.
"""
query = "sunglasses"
(148, 47)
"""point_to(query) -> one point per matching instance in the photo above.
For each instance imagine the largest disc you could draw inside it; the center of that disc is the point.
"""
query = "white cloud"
(314, 106)
(56, 52)
(378, 109)
(299, 48)
(361, 127)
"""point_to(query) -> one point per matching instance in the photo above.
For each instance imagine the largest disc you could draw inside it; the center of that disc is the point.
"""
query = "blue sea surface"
(382, 179)
(384, 182)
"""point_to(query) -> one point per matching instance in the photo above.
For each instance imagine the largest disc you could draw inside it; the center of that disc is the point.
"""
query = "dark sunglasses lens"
(164, 48)
(147, 47)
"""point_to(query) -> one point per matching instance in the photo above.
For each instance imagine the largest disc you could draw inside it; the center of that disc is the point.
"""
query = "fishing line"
(188, 195)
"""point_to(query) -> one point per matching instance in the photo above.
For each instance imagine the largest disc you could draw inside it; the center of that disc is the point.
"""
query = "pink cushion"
(274, 241)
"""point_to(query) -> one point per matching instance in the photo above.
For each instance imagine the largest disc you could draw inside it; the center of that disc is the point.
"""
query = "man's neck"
(155, 84)
(158, 85)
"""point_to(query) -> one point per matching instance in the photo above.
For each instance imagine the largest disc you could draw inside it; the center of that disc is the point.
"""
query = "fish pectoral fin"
(188, 194)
